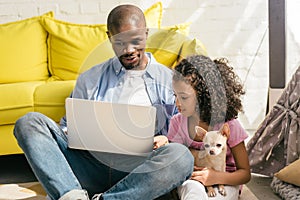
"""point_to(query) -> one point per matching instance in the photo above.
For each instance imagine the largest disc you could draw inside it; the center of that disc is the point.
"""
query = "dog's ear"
(200, 133)
(225, 131)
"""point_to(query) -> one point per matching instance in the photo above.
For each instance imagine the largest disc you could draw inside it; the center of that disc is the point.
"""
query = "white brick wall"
(230, 28)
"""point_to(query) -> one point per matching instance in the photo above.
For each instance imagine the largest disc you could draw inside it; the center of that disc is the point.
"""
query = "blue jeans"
(61, 169)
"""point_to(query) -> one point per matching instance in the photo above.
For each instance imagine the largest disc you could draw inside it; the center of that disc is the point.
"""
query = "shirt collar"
(117, 65)
(152, 66)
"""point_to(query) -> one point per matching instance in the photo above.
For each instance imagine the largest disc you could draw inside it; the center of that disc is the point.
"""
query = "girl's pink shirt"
(178, 132)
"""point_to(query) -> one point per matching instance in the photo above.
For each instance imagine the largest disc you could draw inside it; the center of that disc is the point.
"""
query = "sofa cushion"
(16, 100)
(68, 45)
(153, 15)
(49, 98)
(192, 46)
(99, 54)
(23, 50)
(8, 142)
(165, 43)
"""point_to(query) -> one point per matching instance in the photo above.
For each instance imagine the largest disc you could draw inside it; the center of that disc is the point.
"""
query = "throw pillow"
(69, 44)
(165, 43)
(191, 47)
(153, 15)
(290, 173)
(23, 50)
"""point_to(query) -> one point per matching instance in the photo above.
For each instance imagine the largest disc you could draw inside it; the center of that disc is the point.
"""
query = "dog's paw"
(222, 190)
(211, 191)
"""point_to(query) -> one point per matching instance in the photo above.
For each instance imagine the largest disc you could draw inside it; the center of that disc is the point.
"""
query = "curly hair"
(218, 88)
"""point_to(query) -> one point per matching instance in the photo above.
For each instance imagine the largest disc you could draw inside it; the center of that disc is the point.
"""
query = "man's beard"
(139, 54)
(129, 66)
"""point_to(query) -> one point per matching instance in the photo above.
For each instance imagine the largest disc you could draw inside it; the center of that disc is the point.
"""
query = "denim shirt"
(95, 82)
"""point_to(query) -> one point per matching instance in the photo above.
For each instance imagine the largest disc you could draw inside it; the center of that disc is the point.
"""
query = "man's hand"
(159, 141)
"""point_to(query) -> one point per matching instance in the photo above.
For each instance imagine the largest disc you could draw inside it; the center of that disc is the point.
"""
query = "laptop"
(110, 127)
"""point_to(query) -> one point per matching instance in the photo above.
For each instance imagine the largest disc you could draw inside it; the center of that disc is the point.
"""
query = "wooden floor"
(16, 178)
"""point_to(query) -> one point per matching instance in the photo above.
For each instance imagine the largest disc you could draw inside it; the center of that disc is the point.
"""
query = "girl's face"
(186, 100)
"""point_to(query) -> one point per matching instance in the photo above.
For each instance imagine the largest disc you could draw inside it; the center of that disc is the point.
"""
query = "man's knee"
(28, 120)
(179, 150)
(181, 155)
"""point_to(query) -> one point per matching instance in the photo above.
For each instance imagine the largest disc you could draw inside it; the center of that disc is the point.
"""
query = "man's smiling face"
(129, 43)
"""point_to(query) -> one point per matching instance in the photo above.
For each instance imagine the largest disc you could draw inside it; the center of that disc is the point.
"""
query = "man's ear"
(147, 32)
(108, 35)
(200, 132)
(225, 130)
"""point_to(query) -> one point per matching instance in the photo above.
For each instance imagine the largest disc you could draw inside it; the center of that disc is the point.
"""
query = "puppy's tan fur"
(214, 155)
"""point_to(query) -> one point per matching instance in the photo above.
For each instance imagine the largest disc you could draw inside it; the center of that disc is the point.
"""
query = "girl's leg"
(192, 190)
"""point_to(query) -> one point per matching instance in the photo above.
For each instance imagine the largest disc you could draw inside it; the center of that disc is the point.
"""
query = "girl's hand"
(196, 168)
(205, 176)
(159, 141)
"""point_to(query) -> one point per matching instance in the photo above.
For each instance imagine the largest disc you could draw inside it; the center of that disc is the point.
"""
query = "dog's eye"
(206, 145)
(219, 145)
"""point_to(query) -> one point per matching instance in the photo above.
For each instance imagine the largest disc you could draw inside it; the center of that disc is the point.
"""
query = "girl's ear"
(225, 131)
(200, 133)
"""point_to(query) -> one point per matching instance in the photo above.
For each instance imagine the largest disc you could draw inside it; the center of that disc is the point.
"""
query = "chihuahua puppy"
(214, 155)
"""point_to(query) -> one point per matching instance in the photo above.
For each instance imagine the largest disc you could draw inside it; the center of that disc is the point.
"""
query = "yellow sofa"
(41, 57)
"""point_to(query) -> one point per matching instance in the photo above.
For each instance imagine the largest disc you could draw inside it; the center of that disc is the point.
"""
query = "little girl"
(208, 94)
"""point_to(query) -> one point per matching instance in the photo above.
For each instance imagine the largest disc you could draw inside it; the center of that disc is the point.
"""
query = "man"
(134, 77)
